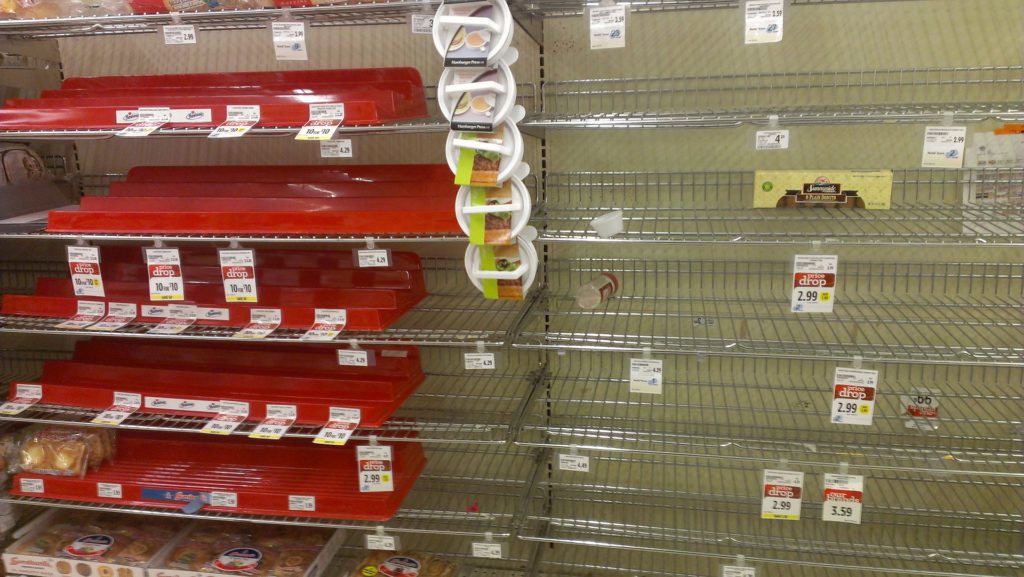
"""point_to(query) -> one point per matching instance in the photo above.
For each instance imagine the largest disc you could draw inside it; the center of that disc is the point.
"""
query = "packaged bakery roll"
(65, 451)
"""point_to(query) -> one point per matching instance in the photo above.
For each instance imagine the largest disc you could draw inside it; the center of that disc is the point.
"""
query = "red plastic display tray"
(167, 470)
(292, 173)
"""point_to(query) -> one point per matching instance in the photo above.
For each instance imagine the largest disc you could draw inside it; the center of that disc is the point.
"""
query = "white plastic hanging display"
(526, 270)
(478, 98)
(521, 206)
(510, 149)
(472, 34)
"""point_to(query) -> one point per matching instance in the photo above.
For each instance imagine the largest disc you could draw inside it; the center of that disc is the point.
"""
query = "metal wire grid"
(459, 493)
(518, 554)
(715, 207)
(946, 313)
(894, 95)
(562, 8)
(761, 410)
(681, 505)
(20, 276)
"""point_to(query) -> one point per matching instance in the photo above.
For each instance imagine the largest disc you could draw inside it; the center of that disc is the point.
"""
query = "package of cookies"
(218, 549)
(405, 564)
(90, 544)
(64, 451)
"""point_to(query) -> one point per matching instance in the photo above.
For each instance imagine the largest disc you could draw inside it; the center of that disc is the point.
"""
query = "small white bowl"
(608, 225)
(501, 28)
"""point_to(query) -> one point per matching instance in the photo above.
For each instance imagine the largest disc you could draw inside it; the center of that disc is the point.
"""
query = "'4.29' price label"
(814, 283)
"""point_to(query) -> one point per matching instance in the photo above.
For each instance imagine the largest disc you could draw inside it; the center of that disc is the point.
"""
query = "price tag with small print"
(179, 318)
(843, 499)
(124, 405)
(577, 463)
(355, 358)
(32, 485)
(479, 361)
(279, 419)
(163, 266)
(422, 23)
(782, 495)
(382, 542)
(608, 27)
(146, 121)
(327, 325)
(86, 313)
(289, 40)
(815, 283)
(737, 571)
(238, 271)
(373, 258)
(231, 415)
(339, 429)
(118, 316)
(341, 148)
(240, 119)
(25, 396)
(646, 376)
(853, 396)
(224, 499)
(301, 503)
(376, 474)
(109, 490)
(324, 120)
(84, 264)
(488, 550)
(262, 322)
(944, 147)
(772, 140)
(921, 409)
(763, 21)
(179, 34)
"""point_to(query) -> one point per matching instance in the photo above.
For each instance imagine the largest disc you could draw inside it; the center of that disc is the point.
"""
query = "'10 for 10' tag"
(279, 419)
(339, 429)
(163, 266)
(231, 415)
(124, 405)
(238, 271)
(84, 264)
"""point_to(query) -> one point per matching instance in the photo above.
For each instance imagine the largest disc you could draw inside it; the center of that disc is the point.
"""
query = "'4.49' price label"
(853, 396)
(814, 283)
(782, 495)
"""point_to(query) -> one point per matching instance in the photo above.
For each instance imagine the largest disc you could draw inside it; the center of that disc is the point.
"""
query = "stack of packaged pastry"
(64, 451)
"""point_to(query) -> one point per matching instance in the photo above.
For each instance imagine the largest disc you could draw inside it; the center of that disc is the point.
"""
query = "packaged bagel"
(64, 451)
(405, 564)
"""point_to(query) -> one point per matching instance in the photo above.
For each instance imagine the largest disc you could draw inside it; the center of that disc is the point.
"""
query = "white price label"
(843, 498)
(32, 486)
(479, 361)
(238, 271)
(944, 147)
(84, 264)
(782, 494)
(118, 315)
(324, 120)
(262, 322)
(372, 258)
(381, 542)
(289, 40)
(577, 463)
(223, 499)
(145, 121)
(109, 490)
(279, 419)
(231, 415)
(422, 23)
(327, 325)
(123, 406)
(165, 278)
(214, 314)
(301, 503)
(179, 318)
(179, 34)
(341, 148)
(488, 550)
(921, 409)
(339, 428)
(354, 357)
(376, 472)
(763, 21)
(25, 396)
(86, 314)
(737, 571)
(772, 140)
(608, 27)
(815, 283)
(853, 396)
(646, 376)
(240, 119)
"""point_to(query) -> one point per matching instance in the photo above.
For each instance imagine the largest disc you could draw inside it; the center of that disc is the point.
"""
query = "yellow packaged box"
(870, 189)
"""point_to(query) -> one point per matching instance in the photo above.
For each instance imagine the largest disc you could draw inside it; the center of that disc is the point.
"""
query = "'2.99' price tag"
(376, 474)
(782, 495)
(853, 396)
(179, 34)
(814, 283)
(843, 499)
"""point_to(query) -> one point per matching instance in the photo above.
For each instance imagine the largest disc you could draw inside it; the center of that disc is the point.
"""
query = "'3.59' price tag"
(843, 498)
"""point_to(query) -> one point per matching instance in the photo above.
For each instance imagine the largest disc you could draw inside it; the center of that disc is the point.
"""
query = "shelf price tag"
(944, 147)
(763, 21)
(355, 358)
(575, 463)
(608, 27)
(771, 140)
(373, 257)
(279, 419)
(24, 397)
(422, 23)
(815, 283)
(262, 322)
(327, 325)
(109, 490)
(289, 40)
(921, 409)
(84, 264)
(179, 318)
(376, 471)
(86, 313)
(124, 405)
(238, 271)
(324, 120)
(302, 503)
(341, 148)
(381, 542)
(175, 34)
(782, 495)
(645, 376)
(145, 121)
(240, 119)
(223, 499)
(339, 428)
(32, 486)
(479, 361)
(843, 499)
(853, 396)
(488, 550)
(163, 266)
(231, 415)
(118, 315)
(737, 571)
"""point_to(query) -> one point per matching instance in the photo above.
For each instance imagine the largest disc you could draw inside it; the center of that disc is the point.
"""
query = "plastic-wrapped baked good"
(293, 562)
(405, 564)
(65, 451)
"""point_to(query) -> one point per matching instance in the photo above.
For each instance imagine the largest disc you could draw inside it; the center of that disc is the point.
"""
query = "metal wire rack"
(762, 410)
(561, 8)
(20, 276)
(518, 553)
(680, 505)
(929, 207)
(948, 313)
(457, 494)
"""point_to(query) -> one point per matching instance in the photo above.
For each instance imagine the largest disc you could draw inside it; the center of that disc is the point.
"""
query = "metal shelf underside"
(36, 231)
(406, 127)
